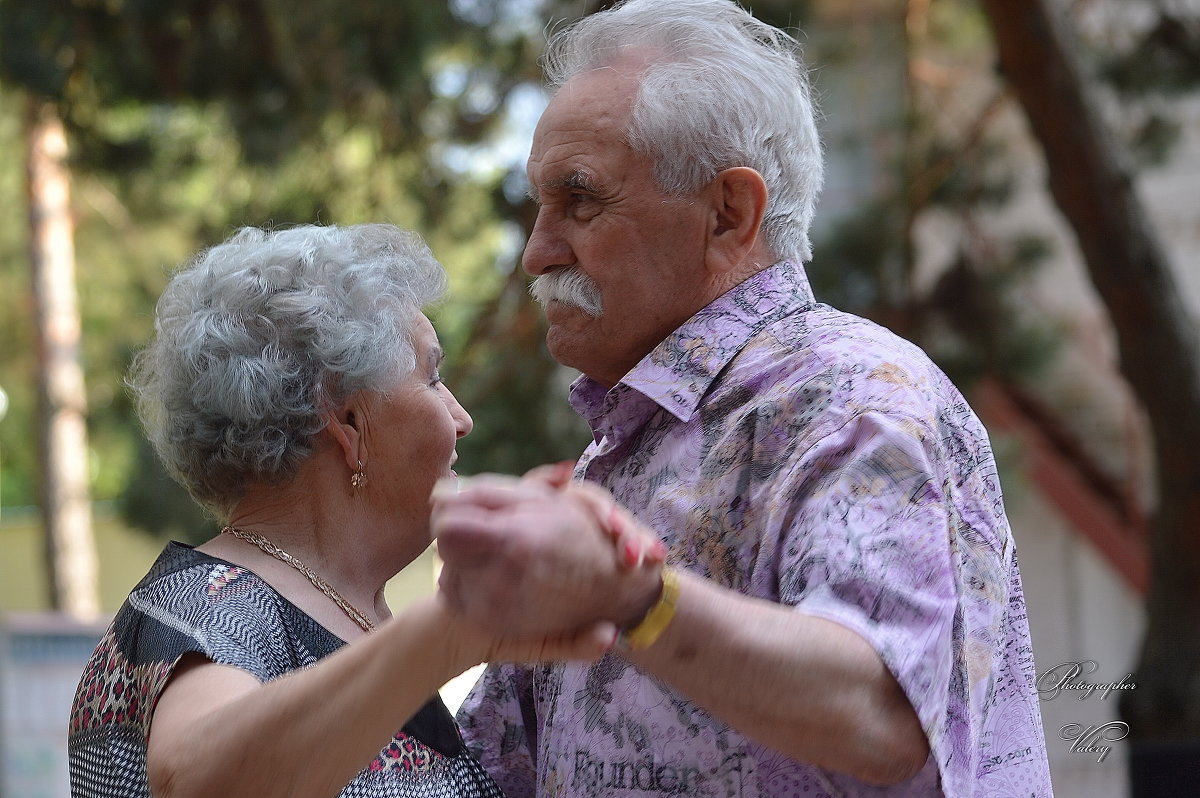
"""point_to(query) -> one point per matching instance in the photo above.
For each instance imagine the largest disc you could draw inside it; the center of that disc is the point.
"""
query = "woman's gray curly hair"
(259, 335)
(721, 89)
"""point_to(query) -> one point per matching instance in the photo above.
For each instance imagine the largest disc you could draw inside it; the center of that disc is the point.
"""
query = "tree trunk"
(62, 403)
(1160, 357)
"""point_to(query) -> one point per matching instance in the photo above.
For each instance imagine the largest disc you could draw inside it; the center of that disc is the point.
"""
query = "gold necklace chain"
(270, 548)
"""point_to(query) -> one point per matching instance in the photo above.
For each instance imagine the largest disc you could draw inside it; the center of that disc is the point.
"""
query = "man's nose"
(546, 248)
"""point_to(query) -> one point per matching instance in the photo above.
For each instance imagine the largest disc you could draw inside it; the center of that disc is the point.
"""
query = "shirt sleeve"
(884, 541)
(499, 728)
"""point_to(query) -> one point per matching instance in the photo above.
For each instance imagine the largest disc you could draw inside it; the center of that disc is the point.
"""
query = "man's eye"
(584, 205)
(436, 379)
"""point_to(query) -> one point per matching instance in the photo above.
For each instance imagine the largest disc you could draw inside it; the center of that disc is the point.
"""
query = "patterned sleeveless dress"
(191, 602)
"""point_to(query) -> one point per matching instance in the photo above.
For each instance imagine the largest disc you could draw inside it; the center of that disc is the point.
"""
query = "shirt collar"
(677, 373)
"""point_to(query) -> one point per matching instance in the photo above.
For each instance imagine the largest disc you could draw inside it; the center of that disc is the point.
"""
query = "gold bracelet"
(657, 617)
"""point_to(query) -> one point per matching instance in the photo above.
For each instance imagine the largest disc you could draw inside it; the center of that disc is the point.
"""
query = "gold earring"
(359, 478)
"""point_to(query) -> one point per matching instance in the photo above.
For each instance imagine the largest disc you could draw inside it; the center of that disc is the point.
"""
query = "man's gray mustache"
(571, 287)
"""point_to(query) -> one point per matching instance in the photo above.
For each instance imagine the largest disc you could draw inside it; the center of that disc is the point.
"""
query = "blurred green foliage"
(189, 118)
(1161, 63)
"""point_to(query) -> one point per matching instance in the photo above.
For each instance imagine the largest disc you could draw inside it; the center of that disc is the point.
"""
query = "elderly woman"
(293, 388)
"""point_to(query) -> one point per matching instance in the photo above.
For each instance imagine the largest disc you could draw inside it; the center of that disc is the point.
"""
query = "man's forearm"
(524, 560)
(807, 687)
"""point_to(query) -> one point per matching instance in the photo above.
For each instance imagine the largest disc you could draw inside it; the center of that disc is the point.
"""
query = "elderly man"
(841, 612)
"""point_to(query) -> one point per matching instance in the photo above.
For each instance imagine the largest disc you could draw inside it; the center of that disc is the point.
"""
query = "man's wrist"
(645, 631)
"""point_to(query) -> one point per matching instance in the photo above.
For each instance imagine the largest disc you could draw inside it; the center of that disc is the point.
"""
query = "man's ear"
(739, 201)
(344, 426)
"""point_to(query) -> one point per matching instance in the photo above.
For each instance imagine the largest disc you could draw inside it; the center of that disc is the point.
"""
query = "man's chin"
(565, 341)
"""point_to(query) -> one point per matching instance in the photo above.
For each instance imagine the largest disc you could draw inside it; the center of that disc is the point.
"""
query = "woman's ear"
(344, 426)
(739, 202)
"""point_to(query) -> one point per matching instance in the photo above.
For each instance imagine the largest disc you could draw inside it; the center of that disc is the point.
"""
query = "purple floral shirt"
(795, 453)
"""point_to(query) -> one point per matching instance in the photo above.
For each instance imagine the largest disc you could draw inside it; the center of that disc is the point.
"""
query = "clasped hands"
(549, 567)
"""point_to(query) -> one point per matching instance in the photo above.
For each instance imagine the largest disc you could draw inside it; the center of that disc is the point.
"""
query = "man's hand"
(538, 555)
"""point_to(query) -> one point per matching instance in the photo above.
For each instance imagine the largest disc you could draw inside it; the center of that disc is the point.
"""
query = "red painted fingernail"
(631, 554)
(614, 522)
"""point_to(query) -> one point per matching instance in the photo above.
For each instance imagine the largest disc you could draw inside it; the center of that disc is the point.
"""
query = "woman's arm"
(217, 731)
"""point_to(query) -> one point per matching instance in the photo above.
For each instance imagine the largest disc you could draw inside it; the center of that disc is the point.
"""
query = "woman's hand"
(534, 557)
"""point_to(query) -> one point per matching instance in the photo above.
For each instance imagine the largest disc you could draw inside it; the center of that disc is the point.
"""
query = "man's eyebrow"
(577, 180)
(436, 355)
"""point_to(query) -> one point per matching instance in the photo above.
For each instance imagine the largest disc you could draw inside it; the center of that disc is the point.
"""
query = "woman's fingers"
(635, 544)
(491, 491)
(556, 475)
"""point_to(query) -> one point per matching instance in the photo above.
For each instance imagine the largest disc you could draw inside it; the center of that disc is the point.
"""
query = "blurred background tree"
(188, 118)
(1090, 175)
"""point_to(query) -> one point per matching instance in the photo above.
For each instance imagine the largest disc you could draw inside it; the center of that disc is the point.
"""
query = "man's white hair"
(721, 90)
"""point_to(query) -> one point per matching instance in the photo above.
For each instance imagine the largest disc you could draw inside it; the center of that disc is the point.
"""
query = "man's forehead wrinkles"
(578, 137)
